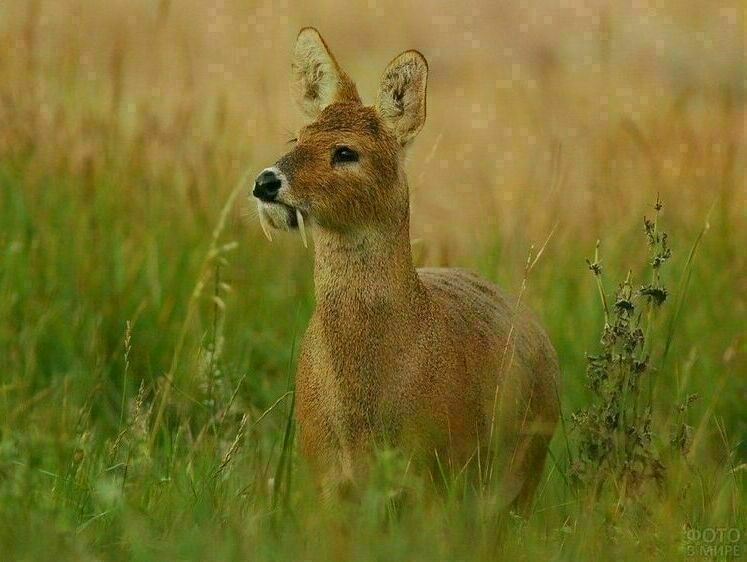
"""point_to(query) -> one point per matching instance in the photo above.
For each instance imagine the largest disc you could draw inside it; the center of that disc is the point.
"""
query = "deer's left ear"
(401, 100)
(317, 78)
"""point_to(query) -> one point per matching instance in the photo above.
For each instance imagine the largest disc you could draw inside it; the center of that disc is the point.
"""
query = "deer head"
(345, 170)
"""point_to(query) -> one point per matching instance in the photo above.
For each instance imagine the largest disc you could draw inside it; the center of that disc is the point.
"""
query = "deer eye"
(344, 154)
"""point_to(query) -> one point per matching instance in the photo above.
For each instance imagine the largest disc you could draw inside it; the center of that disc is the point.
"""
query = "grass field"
(148, 330)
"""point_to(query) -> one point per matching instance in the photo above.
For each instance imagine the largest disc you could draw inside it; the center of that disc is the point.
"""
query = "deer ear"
(401, 100)
(317, 78)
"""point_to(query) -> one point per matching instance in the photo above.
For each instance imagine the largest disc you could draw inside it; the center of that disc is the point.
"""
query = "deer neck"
(364, 271)
(369, 306)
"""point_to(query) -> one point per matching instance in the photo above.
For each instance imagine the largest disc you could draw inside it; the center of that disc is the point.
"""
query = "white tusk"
(264, 225)
(302, 228)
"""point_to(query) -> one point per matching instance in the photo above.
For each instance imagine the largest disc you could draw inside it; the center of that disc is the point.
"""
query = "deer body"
(436, 361)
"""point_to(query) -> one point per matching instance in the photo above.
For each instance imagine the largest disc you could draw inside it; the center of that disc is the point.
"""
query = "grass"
(148, 331)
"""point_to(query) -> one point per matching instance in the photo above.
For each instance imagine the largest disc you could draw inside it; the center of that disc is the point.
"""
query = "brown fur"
(412, 358)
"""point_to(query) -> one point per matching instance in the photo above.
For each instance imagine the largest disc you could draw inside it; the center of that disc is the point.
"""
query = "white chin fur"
(277, 216)
(272, 216)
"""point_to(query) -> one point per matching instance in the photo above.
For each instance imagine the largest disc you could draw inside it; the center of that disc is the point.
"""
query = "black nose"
(266, 186)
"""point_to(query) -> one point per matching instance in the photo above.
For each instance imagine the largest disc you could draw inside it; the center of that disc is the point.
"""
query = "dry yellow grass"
(536, 115)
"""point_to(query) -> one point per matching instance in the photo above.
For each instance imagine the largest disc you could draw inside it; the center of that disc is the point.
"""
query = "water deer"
(436, 361)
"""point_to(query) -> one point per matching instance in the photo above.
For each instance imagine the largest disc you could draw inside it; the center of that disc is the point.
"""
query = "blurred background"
(537, 111)
(125, 126)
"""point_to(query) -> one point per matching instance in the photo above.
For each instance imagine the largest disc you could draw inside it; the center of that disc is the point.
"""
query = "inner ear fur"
(402, 93)
(317, 78)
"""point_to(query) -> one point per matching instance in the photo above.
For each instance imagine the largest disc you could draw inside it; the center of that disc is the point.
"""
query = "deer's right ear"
(317, 78)
(401, 100)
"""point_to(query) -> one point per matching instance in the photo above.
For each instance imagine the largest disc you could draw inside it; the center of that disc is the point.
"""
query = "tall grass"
(147, 332)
